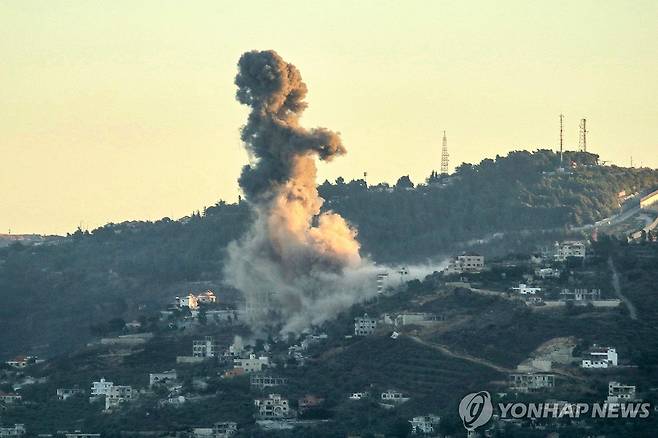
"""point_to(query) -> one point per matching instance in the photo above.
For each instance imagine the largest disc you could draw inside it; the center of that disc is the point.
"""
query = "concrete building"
(205, 347)
(225, 429)
(116, 395)
(190, 301)
(618, 393)
(13, 431)
(425, 424)
(469, 262)
(547, 273)
(66, 393)
(364, 325)
(524, 289)
(418, 318)
(252, 363)
(102, 387)
(392, 396)
(580, 295)
(273, 407)
(600, 357)
(650, 201)
(10, 397)
(207, 297)
(531, 382)
(262, 382)
(19, 361)
(165, 377)
(570, 248)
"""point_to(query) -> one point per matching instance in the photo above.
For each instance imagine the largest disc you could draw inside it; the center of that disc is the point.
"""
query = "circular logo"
(475, 409)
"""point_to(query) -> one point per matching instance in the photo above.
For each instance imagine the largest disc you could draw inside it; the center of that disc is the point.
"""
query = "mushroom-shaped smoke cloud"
(296, 266)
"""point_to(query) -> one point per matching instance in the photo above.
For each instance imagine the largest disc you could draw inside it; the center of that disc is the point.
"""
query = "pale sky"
(124, 109)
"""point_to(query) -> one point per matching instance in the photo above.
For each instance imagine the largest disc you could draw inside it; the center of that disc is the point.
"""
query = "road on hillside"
(616, 285)
(463, 356)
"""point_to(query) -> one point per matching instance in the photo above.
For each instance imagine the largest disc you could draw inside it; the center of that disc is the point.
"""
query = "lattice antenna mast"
(583, 135)
(444, 155)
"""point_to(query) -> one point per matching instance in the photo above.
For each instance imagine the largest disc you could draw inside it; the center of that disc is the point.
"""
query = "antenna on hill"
(444, 156)
(583, 135)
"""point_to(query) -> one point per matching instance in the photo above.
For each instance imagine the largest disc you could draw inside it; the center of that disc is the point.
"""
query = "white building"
(392, 396)
(272, 407)
(418, 318)
(618, 393)
(252, 363)
(425, 424)
(102, 387)
(19, 362)
(600, 357)
(470, 262)
(547, 273)
(10, 397)
(580, 295)
(572, 248)
(190, 301)
(162, 378)
(207, 297)
(205, 347)
(531, 382)
(364, 325)
(16, 430)
(225, 429)
(524, 289)
(66, 393)
(116, 395)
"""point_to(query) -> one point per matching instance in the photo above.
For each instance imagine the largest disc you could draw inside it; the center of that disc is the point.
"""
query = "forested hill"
(53, 290)
(522, 191)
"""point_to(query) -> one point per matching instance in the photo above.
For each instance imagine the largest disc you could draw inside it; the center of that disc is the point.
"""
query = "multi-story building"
(252, 363)
(600, 357)
(116, 395)
(571, 248)
(10, 397)
(102, 387)
(580, 295)
(364, 325)
(205, 347)
(225, 429)
(15, 431)
(524, 289)
(425, 424)
(262, 382)
(19, 361)
(469, 262)
(531, 382)
(392, 396)
(618, 393)
(272, 407)
(190, 301)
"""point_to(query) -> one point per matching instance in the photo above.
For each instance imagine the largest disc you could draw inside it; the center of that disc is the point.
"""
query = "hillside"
(121, 270)
(479, 337)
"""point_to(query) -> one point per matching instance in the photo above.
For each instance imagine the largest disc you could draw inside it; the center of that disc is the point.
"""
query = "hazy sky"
(118, 110)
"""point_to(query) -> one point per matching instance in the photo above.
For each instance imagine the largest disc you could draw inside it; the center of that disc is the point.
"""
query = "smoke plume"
(296, 266)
